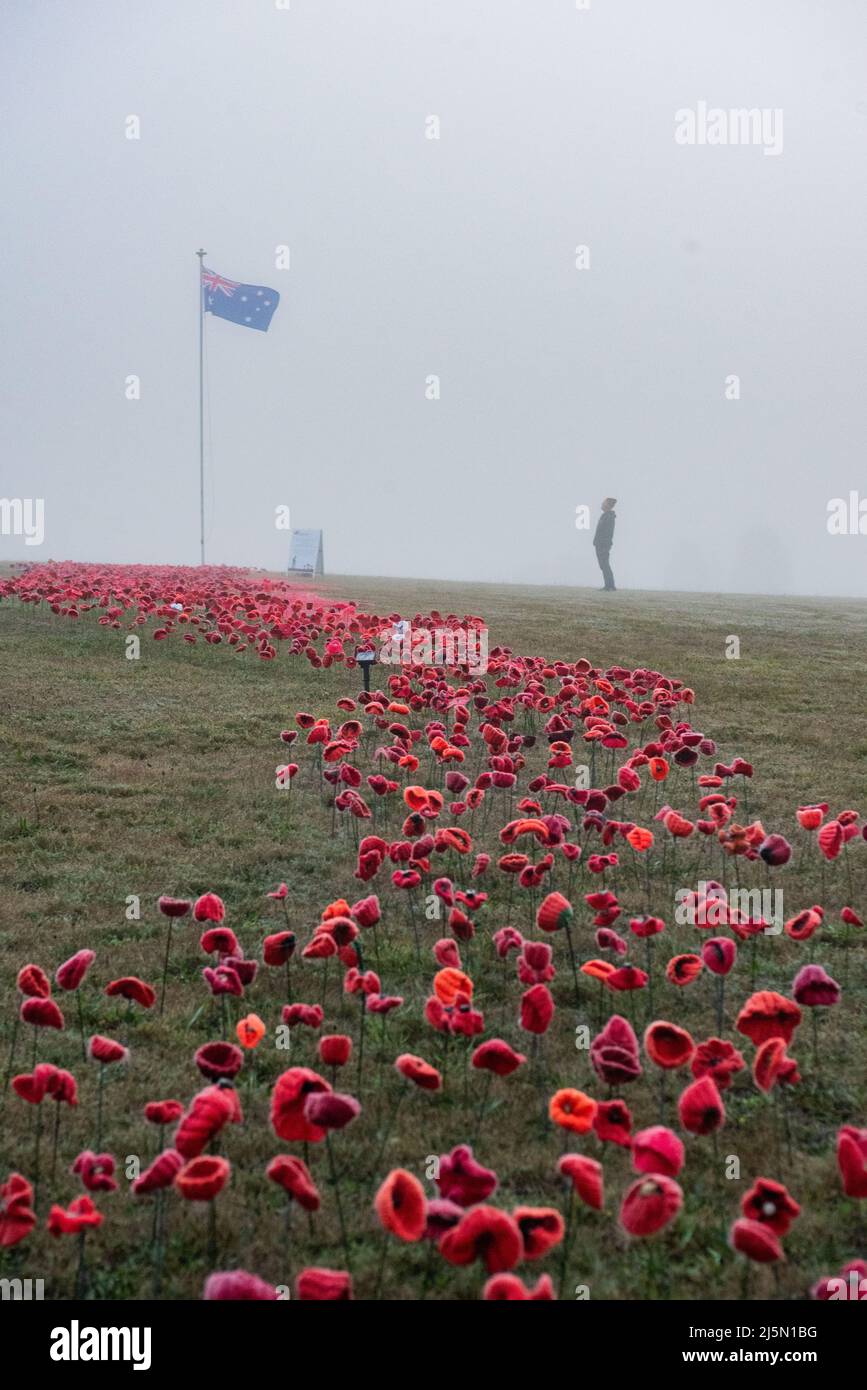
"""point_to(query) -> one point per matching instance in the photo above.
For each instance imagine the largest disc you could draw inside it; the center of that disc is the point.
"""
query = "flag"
(252, 306)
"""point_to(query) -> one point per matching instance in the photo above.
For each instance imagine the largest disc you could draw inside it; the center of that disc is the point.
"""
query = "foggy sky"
(456, 257)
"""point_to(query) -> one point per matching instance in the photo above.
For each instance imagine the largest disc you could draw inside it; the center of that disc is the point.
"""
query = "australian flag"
(252, 306)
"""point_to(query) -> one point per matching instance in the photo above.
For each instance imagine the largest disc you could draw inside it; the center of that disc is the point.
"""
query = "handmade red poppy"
(96, 1171)
(135, 990)
(238, 1286)
(323, 1286)
(293, 1175)
(572, 1110)
(485, 1234)
(173, 907)
(612, 1123)
(331, 1110)
(219, 1060)
(768, 1015)
(81, 1215)
(498, 1057)
(401, 1205)
(769, 1203)
(203, 1178)
(541, 1229)
(657, 1150)
(71, 973)
(814, 988)
(335, 1049)
(161, 1173)
(33, 982)
(278, 948)
(206, 1115)
(756, 1241)
(462, 1179)
(586, 1176)
(717, 1058)
(41, 1013)
(701, 1107)
(852, 1160)
(508, 1288)
(668, 1045)
(17, 1217)
(555, 912)
(682, 970)
(719, 954)
(163, 1112)
(650, 1204)
(614, 1052)
(209, 908)
(537, 1009)
(288, 1099)
(106, 1050)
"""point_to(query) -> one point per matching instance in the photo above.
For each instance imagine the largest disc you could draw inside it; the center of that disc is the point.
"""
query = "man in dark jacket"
(603, 537)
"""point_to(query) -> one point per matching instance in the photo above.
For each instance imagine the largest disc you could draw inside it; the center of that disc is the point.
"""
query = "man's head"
(609, 504)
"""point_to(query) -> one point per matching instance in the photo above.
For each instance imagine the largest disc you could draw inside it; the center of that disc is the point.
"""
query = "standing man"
(603, 538)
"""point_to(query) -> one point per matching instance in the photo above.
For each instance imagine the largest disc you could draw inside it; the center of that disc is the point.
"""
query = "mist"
(511, 289)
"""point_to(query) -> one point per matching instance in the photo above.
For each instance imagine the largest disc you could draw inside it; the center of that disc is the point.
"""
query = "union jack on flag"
(252, 306)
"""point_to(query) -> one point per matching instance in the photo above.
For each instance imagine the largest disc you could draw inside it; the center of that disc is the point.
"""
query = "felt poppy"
(498, 1057)
(41, 1013)
(173, 907)
(401, 1205)
(288, 1099)
(755, 1240)
(135, 990)
(650, 1204)
(572, 1110)
(769, 1203)
(682, 970)
(810, 817)
(462, 1179)
(209, 908)
(33, 982)
(238, 1286)
(419, 1072)
(773, 1066)
(331, 1110)
(814, 988)
(667, 1045)
(250, 1031)
(96, 1171)
(219, 1060)
(768, 1015)
(614, 1052)
(203, 1178)
(541, 1229)
(802, 926)
(554, 913)
(657, 1150)
(278, 948)
(160, 1174)
(17, 1217)
(717, 1058)
(219, 941)
(852, 1160)
(701, 1107)
(719, 954)
(508, 1288)
(612, 1123)
(323, 1286)
(587, 1179)
(80, 1216)
(537, 1009)
(205, 1116)
(306, 1015)
(293, 1175)
(626, 978)
(163, 1112)
(335, 1049)
(71, 973)
(484, 1234)
(106, 1050)
(449, 983)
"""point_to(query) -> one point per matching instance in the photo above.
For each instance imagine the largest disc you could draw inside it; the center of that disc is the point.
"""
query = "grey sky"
(455, 257)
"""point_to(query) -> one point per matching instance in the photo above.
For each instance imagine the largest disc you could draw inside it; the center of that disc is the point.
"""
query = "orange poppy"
(250, 1031)
(449, 983)
(598, 969)
(572, 1110)
(640, 839)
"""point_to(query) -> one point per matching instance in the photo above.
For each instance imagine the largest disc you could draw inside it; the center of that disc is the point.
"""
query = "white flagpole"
(201, 255)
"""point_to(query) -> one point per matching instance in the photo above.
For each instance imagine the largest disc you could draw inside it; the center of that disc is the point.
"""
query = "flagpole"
(201, 255)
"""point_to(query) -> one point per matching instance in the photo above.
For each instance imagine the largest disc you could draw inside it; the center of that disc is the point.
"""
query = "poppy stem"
(815, 1023)
(212, 1232)
(335, 1182)
(11, 1058)
(81, 1024)
(289, 981)
(166, 965)
(720, 1003)
(36, 1144)
(381, 1271)
(100, 1086)
(483, 1107)
(573, 964)
(81, 1271)
(56, 1135)
(363, 997)
(567, 1241)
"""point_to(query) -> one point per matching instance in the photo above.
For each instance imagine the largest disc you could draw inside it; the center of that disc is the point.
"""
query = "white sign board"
(305, 553)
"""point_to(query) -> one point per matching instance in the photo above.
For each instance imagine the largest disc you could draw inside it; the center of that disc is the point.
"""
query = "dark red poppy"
(132, 988)
(462, 1179)
(17, 1217)
(96, 1171)
(219, 1060)
(498, 1057)
(852, 1160)
(771, 1204)
(174, 907)
(814, 988)
(701, 1107)
(323, 1286)
(537, 1009)
(612, 1123)
(293, 1175)
(485, 1234)
(288, 1100)
(33, 982)
(614, 1052)
(331, 1109)
(41, 1013)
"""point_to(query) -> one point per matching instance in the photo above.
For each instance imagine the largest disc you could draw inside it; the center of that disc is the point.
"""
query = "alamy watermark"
(714, 125)
(23, 516)
(405, 645)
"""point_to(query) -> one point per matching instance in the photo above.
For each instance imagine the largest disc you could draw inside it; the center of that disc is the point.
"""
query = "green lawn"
(127, 779)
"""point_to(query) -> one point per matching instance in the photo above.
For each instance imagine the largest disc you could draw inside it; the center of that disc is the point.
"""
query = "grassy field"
(125, 779)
